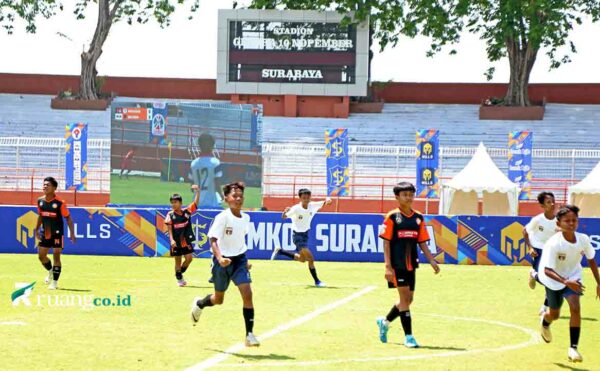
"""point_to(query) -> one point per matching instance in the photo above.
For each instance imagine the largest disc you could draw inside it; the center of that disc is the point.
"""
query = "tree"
(27, 10)
(517, 29)
(109, 13)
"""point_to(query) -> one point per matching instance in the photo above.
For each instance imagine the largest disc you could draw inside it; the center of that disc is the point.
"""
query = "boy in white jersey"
(227, 237)
(537, 232)
(206, 171)
(561, 272)
(301, 215)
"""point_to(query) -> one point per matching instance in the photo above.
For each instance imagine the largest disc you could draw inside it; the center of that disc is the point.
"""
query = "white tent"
(480, 177)
(586, 194)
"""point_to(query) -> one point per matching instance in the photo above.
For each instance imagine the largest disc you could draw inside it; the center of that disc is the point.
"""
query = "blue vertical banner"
(76, 165)
(520, 149)
(336, 154)
(428, 160)
(158, 123)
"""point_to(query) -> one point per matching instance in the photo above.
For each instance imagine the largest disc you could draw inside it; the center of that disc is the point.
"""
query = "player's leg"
(308, 256)
(242, 279)
(57, 264)
(406, 294)
(222, 278)
(186, 263)
(178, 273)
(555, 300)
(46, 263)
(574, 326)
(533, 273)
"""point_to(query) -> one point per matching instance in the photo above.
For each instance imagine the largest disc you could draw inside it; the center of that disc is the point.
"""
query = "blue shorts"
(300, 240)
(556, 297)
(536, 261)
(237, 272)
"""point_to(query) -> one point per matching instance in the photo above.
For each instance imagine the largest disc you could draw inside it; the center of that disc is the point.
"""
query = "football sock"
(313, 273)
(56, 272)
(406, 322)
(202, 303)
(178, 275)
(393, 314)
(286, 253)
(184, 268)
(545, 323)
(574, 332)
(249, 319)
(47, 265)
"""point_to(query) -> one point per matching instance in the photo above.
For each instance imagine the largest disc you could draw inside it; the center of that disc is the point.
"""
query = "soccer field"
(468, 317)
(140, 190)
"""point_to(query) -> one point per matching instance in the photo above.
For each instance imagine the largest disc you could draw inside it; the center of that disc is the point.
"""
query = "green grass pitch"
(468, 317)
(140, 190)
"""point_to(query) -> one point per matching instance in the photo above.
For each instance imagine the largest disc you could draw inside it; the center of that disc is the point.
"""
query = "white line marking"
(13, 323)
(533, 340)
(279, 329)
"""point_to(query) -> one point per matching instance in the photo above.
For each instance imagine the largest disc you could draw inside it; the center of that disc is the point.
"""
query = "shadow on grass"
(312, 287)
(431, 347)
(569, 367)
(74, 290)
(257, 357)
(582, 318)
(200, 287)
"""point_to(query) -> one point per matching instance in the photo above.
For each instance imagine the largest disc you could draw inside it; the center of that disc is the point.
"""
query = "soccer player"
(206, 172)
(403, 230)
(50, 230)
(301, 215)
(227, 237)
(181, 235)
(561, 272)
(537, 232)
(127, 162)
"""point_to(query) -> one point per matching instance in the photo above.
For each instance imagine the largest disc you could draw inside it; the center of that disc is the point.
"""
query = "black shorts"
(237, 272)
(556, 297)
(300, 240)
(181, 250)
(402, 278)
(55, 242)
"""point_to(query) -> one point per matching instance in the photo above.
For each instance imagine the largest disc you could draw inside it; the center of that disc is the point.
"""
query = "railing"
(31, 179)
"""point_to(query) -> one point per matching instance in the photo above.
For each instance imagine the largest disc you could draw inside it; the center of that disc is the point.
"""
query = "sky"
(187, 49)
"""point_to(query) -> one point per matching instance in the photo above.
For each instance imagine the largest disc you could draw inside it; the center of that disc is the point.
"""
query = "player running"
(301, 215)
(206, 172)
(403, 230)
(51, 211)
(181, 234)
(561, 272)
(227, 237)
(537, 232)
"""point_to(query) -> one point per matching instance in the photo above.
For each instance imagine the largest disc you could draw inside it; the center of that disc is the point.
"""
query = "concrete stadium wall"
(462, 239)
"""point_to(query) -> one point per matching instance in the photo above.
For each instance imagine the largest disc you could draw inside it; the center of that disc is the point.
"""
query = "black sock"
(290, 255)
(202, 303)
(313, 273)
(47, 265)
(249, 319)
(406, 322)
(393, 314)
(545, 323)
(546, 302)
(574, 332)
(178, 274)
(184, 268)
(56, 272)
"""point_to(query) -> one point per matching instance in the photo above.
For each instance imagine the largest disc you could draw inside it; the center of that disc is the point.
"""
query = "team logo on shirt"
(300, 217)
(541, 228)
(418, 221)
(562, 257)
(41, 204)
(54, 206)
(229, 231)
(398, 218)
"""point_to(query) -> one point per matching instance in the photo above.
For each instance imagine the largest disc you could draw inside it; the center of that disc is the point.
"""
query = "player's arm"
(37, 227)
(526, 231)
(196, 190)
(430, 259)
(594, 268)
(216, 251)
(71, 228)
(572, 284)
(285, 213)
(386, 235)
(215, 232)
(323, 203)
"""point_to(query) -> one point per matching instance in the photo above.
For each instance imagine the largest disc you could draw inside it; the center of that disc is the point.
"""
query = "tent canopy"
(589, 184)
(586, 194)
(480, 176)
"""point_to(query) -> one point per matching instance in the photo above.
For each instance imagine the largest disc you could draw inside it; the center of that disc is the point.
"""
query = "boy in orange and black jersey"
(50, 230)
(404, 230)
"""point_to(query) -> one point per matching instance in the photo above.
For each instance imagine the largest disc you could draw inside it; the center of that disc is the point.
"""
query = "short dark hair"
(206, 142)
(228, 188)
(52, 181)
(303, 191)
(176, 197)
(567, 209)
(403, 187)
(542, 197)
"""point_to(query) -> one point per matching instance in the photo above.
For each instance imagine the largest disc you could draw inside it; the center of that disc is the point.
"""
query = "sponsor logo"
(408, 234)
(22, 294)
(180, 225)
(427, 151)
(427, 177)
(26, 228)
(512, 243)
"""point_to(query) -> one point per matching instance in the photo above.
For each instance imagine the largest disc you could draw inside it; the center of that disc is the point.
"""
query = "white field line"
(213, 361)
(533, 340)
(13, 323)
